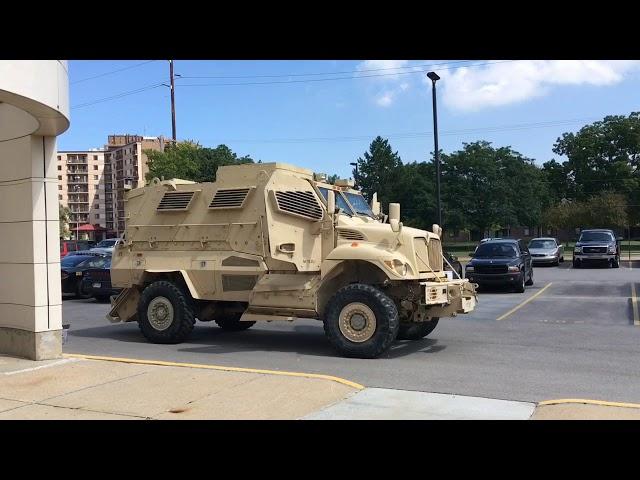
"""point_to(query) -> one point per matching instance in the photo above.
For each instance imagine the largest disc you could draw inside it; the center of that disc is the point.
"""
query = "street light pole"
(173, 101)
(434, 78)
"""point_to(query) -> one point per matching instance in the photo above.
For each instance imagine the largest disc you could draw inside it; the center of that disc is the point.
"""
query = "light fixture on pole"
(434, 78)
(355, 164)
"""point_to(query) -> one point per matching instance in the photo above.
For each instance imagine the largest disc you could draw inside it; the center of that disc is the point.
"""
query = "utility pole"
(434, 78)
(173, 101)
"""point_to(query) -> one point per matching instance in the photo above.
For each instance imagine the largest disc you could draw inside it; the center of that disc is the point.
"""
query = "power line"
(309, 80)
(326, 73)
(112, 72)
(119, 95)
(498, 128)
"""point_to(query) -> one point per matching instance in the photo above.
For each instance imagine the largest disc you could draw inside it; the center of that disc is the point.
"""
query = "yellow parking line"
(589, 402)
(217, 367)
(634, 304)
(518, 307)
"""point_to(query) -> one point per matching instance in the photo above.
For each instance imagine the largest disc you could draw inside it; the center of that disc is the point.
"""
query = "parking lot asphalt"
(574, 334)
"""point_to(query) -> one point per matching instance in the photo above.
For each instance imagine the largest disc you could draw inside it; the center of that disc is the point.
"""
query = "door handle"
(288, 248)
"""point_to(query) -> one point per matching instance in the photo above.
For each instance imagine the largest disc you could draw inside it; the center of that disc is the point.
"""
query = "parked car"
(97, 281)
(599, 245)
(68, 246)
(72, 268)
(501, 262)
(546, 250)
(107, 245)
(454, 262)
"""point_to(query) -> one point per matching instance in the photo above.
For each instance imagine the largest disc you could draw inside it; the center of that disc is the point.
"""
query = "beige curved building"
(34, 109)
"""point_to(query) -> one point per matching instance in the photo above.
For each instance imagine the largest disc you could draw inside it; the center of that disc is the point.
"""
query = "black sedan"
(72, 268)
(97, 282)
(501, 262)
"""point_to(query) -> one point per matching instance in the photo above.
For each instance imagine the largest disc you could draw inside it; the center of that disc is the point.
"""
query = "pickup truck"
(597, 245)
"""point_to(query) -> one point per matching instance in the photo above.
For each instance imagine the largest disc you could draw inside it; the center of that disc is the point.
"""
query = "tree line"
(483, 187)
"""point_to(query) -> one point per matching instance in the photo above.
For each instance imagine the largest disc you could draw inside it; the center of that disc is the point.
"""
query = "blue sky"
(310, 119)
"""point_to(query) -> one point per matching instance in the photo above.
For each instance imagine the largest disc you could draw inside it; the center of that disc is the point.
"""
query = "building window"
(59, 187)
(59, 197)
(59, 177)
(95, 157)
(95, 177)
(97, 216)
(59, 158)
(96, 206)
(59, 167)
(97, 196)
(95, 167)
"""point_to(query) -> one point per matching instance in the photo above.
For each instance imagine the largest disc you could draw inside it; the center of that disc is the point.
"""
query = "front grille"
(428, 255)
(491, 269)
(538, 255)
(594, 249)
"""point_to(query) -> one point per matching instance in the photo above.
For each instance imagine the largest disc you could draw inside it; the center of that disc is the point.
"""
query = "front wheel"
(616, 262)
(165, 314)
(530, 281)
(361, 321)
(80, 293)
(521, 283)
(417, 331)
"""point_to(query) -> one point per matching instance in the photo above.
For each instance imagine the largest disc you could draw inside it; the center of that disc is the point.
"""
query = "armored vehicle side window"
(340, 201)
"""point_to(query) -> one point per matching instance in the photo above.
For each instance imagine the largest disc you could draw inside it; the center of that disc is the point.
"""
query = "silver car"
(546, 251)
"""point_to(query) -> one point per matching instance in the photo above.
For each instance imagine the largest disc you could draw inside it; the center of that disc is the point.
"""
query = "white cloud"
(389, 68)
(474, 88)
(385, 99)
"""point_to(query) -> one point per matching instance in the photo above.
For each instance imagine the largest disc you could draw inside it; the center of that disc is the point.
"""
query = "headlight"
(612, 249)
(577, 250)
(397, 266)
(514, 268)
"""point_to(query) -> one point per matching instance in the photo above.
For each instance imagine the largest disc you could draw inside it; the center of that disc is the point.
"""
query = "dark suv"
(501, 262)
(597, 245)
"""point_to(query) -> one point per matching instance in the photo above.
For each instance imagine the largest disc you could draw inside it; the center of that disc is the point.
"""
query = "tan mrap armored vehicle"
(269, 242)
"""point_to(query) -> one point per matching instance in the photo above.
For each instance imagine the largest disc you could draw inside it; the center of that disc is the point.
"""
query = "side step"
(124, 306)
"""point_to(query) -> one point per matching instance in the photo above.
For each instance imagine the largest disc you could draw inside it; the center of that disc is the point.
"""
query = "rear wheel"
(416, 331)
(361, 321)
(165, 314)
(232, 323)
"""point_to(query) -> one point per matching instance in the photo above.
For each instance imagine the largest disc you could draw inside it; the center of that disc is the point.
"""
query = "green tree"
(604, 157)
(190, 161)
(378, 171)
(64, 214)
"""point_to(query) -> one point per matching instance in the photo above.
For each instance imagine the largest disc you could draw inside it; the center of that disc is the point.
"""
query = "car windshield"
(490, 250)
(110, 242)
(595, 237)
(542, 244)
(96, 262)
(340, 201)
(74, 260)
(360, 205)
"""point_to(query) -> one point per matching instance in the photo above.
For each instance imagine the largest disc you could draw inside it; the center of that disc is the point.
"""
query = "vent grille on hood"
(175, 201)
(229, 198)
(302, 204)
(350, 235)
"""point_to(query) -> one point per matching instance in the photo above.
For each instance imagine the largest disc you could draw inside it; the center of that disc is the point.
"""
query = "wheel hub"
(357, 322)
(160, 313)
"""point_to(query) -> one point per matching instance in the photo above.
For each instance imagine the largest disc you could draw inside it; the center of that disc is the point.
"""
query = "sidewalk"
(99, 388)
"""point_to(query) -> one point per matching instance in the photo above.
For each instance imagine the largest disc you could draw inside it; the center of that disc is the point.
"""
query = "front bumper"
(594, 256)
(494, 278)
(448, 298)
(545, 259)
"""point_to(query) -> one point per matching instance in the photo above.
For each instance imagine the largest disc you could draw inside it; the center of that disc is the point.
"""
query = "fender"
(192, 289)
(365, 252)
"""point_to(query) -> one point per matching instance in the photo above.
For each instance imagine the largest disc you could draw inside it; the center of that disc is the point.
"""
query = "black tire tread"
(417, 331)
(184, 313)
(386, 332)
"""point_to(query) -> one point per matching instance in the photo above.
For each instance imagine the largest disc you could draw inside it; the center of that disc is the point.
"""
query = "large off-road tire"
(232, 323)
(417, 330)
(165, 313)
(361, 321)
(521, 283)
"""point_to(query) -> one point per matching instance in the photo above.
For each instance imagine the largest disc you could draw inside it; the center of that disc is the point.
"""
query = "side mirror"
(375, 204)
(620, 239)
(394, 217)
(331, 202)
